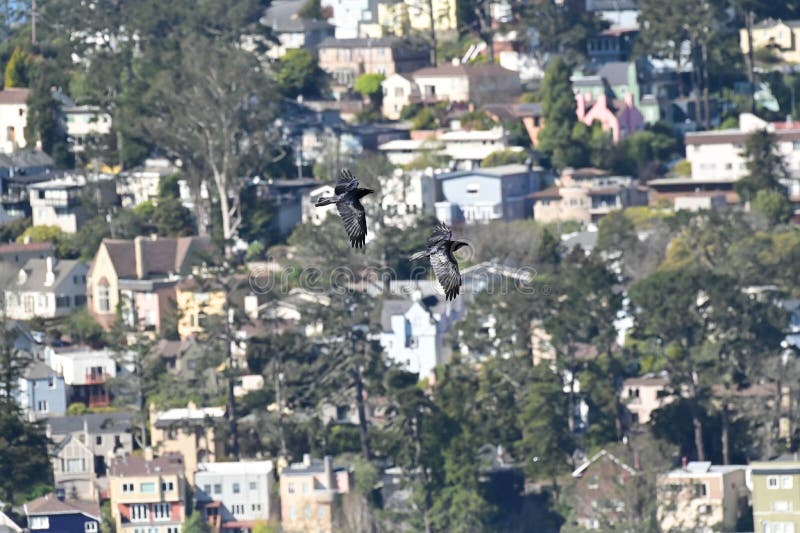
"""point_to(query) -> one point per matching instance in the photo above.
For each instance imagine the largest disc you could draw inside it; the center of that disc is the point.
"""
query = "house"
(148, 494)
(346, 59)
(406, 196)
(57, 202)
(235, 495)
(529, 114)
(586, 195)
(485, 194)
(86, 126)
(18, 171)
(53, 513)
(14, 256)
(141, 184)
(645, 394)
(776, 494)
(310, 494)
(138, 277)
(400, 152)
(614, 44)
(413, 330)
(86, 371)
(452, 83)
(13, 119)
(293, 31)
(618, 13)
(82, 447)
(619, 118)
(188, 431)
(286, 196)
(691, 194)
(466, 149)
(781, 37)
(604, 491)
(42, 392)
(702, 495)
(46, 288)
(718, 154)
(406, 17)
(194, 301)
(350, 17)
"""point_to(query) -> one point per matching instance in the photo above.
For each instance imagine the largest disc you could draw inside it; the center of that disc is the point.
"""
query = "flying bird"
(348, 202)
(440, 251)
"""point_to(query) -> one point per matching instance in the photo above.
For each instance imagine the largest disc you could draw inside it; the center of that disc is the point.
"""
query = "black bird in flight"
(347, 200)
(440, 251)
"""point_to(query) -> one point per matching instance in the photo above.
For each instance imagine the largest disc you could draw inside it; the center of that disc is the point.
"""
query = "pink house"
(621, 118)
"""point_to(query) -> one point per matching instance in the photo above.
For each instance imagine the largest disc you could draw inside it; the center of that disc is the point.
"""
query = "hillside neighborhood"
(189, 344)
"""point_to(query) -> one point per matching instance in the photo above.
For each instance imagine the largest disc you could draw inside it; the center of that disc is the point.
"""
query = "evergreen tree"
(765, 165)
(16, 74)
(562, 137)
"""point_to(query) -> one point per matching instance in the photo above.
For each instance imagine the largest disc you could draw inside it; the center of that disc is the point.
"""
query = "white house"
(467, 148)
(57, 202)
(404, 151)
(46, 288)
(399, 90)
(141, 184)
(13, 119)
(349, 15)
(311, 213)
(291, 30)
(243, 488)
(85, 371)
(84, 123)
(407, 196)
(413, 331)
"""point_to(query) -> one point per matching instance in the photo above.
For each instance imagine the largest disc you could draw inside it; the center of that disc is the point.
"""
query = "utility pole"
(33, 21)
(232, 426)
(751, 69)
(362, 415)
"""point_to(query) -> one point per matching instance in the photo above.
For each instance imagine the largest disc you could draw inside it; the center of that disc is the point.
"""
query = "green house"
(776, 495)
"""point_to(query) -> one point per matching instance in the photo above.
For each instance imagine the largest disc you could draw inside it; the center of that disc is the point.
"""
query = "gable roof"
(36, 270)
(477, 71)
(6, 522)
(50, 505)
(359, 42)
(38, 370)
(161, 255)
(31, 247)
(14, 96)
(119, 422)
(599, 455)
(136, 465)
(500, 171)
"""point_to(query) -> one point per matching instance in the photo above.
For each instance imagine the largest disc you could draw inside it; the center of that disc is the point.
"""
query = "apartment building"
(85, 372)
(235, 494)
(776, 495)
(310, 492)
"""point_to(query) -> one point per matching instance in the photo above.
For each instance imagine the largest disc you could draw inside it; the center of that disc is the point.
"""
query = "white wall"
(15, 116)
(74, 364)
(424, 351)
(240, 504)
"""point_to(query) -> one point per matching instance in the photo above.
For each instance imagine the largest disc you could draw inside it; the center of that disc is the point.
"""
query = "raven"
(440, 251)
(347, 200)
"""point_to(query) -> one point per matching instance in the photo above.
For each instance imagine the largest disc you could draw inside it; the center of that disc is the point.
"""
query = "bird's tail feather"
(418, 255)
(325, 201)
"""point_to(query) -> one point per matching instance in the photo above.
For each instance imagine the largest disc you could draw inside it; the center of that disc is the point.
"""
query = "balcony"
(93, 377)
(99, 400)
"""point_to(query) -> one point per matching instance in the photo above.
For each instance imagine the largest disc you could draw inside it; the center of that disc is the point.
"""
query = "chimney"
(141, 266)
(683, 462)
(307, 459)
(328, 461)
(49, 275)
(148, 453)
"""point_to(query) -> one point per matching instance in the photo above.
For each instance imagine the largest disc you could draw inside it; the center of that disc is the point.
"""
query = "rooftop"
(49, 504)
(14, 96)
(484, 70)
(39, 370)
(191, 413)
(161, 255)
(500, 171)
(238, 467)
(35, 274)
(697, 468)
(136, 465)
(15, 248)
(94, 423)
(360, 42)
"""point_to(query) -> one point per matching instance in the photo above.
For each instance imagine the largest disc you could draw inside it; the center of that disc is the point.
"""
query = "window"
(236, 488)
(778, 527)
(704, 509)
(10, 136)
(253, 485)
(42, 301)
(772, 482)
(255, 507)
(291, 488)
(174, 529)
(167, 486)
(27, 303)
(321, 512)
(593, 483)
(217, 488)
(781, 506)
(80, 300)
(292, 512)
(699, 490)
(139, 512)
(98, 440)
(473, 188)
(162, 511)
(307, 511)
(786, 482)
(41, 406)
(147, 488)
(305, 488)
(127, 487)
(103, 302)
(90, 527)
(51, 382)
(40, 522)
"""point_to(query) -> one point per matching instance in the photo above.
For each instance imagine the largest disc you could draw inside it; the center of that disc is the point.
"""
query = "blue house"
(54, 514)
(42, 392)
(486, 194)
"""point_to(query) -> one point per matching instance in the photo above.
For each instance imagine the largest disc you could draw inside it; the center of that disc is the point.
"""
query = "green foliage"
(83, 328)
(682, 168)
(562, 137)
(77, 409)
(42, 234)
(477, 120)
(298, 73)
(729, 123)
(10, 231)
(24, 463)
(774, 205)
(765, 166)
(312, 9)
(410, 111)
(504, 157)
(196, 523)
(16, 74)
(369, 86)
(563, 27)
(425, 119)
(44, 114)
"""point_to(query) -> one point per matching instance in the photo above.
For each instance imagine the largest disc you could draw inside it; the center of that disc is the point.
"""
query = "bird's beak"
(370, 191)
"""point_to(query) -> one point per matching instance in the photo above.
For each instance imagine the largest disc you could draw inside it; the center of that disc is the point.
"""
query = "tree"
(563, 27)
(83, 328)
(774, 205)
(369, 86)
(425, 119)
(45, 115)
(196, 523)
(298, 73)
(16, 70)
(504, 157)
(312, 9)
(217, 116)
(475, 17)
(561, 134)
(765, 165)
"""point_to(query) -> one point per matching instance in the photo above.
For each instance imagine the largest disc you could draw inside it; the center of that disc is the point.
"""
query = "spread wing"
(441, 233)
(446, 270)
(355, 221)
(347, 182)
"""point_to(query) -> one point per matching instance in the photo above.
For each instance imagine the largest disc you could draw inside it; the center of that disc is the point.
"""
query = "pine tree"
(16, 75)
(562, 137)
(765, 166)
